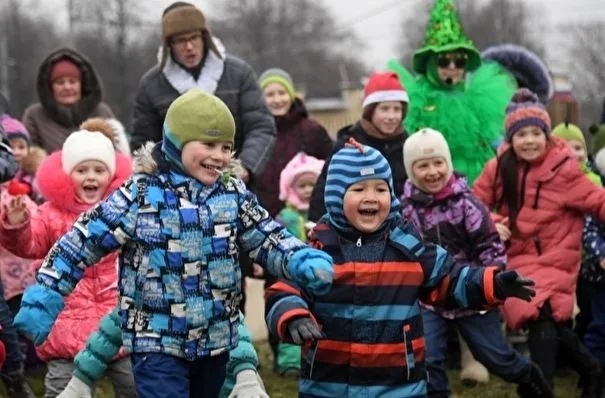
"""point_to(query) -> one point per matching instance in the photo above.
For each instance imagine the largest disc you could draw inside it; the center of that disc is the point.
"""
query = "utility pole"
(5, 65)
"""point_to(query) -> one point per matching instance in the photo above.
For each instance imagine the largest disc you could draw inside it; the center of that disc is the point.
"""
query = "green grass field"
(280, 387)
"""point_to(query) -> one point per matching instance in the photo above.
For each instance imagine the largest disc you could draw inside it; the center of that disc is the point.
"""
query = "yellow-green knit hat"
(569, 132)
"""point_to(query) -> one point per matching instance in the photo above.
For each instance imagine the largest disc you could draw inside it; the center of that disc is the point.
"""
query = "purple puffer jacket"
(455, 219)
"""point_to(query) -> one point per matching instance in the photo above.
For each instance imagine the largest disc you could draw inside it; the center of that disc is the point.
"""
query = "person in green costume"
(455, 93)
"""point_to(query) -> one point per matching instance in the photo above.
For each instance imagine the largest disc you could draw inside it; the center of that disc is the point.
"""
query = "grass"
(280, 387)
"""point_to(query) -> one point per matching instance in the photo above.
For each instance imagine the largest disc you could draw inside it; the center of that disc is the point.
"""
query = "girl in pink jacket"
(540, 196)
(73, 180)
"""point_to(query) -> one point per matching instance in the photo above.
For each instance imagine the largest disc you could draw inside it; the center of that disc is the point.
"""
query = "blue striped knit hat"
(348, 166)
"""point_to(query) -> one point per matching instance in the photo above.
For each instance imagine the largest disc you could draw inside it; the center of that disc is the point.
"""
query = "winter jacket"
(456, 220)
(593, 239)
(374, 343)
(8, 164)
(237, 88)
(555, 194)
(180, 282)
(48, 122)
(15, 272)
(97, 294)
(392, 150)
(104, 344)
(295, 133)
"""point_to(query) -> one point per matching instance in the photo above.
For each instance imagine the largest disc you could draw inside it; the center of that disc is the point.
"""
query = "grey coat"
(237, 87)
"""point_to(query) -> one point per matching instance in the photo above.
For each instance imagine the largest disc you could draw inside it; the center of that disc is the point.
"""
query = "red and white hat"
(383, 87)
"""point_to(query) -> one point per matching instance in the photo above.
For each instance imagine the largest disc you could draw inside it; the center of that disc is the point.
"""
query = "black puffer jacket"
(237, 87)
(392, 150)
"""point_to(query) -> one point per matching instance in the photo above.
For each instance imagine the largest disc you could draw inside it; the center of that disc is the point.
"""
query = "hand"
(248, 385)
(602, 263)
(76, 388)
(312, 270)
(257, 271)
(15, 211)
(304, 329)
(503, 229)
(511, 284)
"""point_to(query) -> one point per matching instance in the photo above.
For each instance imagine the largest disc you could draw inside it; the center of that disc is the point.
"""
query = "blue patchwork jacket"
(179, 276)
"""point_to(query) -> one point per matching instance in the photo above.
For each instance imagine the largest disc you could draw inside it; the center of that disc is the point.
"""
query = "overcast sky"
(377, 21)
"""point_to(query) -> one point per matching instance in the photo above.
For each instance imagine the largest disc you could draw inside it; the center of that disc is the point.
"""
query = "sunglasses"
(444, 61)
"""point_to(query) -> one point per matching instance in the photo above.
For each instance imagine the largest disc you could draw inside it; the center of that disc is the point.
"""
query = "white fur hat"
(85, 145)
(425, 144)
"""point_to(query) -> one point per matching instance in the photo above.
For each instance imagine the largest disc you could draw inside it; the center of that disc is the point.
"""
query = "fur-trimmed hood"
(146, 161)
(92, 90)
(57, 188)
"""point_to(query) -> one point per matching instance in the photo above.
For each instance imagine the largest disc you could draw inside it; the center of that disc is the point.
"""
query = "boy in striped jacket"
(365, 337)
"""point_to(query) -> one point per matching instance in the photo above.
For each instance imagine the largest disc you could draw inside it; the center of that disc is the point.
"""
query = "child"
(73, 180)
(577, 143)
(540, 196)
(439, 203)
(296, 184)
(29, 159)
(180, 222)
(374, 341)
(242, 379)
(385, 105)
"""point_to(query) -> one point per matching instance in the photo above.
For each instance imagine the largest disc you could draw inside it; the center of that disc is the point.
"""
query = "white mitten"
(248, 384)
(76, 389)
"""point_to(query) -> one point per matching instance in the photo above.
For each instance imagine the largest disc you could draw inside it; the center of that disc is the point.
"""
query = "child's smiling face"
(303, 186)
(91, 179)
(431, 174)
(578, 149)
(19, 147)
(367, 204)
(205, 161)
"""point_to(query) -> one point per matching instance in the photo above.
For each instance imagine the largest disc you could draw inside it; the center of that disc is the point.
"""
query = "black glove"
(303, 329)
(511, 284)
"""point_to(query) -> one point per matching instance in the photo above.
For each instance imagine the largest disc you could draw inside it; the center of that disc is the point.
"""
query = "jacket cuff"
(489, 291)
(282, 324)
(83, 377)
(243, 366)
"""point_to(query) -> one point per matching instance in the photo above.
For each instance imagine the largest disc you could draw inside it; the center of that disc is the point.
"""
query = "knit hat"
(424, 144)
(525, 109)
(195, 116)
(85, 145)
(279, 76)
(383, 87)
(301, 163)
(348, 166)
(181, 17)
(569, 132)
(65, 67)
(14, 129)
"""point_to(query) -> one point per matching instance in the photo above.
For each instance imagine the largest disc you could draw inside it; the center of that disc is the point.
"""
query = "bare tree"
(587, 68)
(27, 40)
(301, 37)
(486, 23)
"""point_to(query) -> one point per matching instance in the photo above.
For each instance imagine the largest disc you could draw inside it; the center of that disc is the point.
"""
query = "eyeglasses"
(182, 41)
(444, 61)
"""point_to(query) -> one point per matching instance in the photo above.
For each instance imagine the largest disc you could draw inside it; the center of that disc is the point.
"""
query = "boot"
(535, 386)
(17, 386)
(582, 361)
(472, 372)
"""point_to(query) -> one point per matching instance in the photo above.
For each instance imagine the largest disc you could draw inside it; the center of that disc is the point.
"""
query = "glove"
(248, 385)
(311, 269)
(511, 284)
(303, 329)
(76, 388)
(40, 307)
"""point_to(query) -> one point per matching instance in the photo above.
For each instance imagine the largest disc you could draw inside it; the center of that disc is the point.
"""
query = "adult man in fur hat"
(191, 57)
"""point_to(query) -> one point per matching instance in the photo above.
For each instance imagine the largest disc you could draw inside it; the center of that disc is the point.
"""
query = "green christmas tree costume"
(469, 114)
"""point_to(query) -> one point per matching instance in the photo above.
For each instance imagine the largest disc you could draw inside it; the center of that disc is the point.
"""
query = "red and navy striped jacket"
(371, 317)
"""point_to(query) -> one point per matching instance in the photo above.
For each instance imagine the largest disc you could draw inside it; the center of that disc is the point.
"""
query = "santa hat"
(383, 87)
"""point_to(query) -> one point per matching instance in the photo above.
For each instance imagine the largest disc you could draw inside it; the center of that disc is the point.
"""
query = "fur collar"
(57, 188)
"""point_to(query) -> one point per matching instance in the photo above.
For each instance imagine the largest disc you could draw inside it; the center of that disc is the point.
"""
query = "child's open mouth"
(368, 212)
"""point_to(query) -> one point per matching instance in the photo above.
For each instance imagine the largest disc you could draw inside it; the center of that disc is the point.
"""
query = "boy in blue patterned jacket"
(368, 332)
(180, 222)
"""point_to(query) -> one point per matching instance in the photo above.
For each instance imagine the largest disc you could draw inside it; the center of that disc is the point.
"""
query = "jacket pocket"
(410, 362)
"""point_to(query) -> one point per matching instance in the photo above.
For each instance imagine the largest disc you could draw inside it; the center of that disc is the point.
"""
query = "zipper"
(537, 195)
(538, 245)
(405, 344)
(315, 348)
(358, 244)
(523, 182)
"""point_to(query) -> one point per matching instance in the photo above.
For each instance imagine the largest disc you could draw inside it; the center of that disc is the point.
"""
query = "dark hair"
(507, 171)
(368, 111)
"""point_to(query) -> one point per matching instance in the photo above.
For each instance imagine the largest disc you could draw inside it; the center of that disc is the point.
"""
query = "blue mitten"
(40, 307)
(311, 269)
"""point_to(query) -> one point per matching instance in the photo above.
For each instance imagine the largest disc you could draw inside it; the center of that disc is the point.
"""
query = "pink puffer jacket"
(547, 246)
(96, 294)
